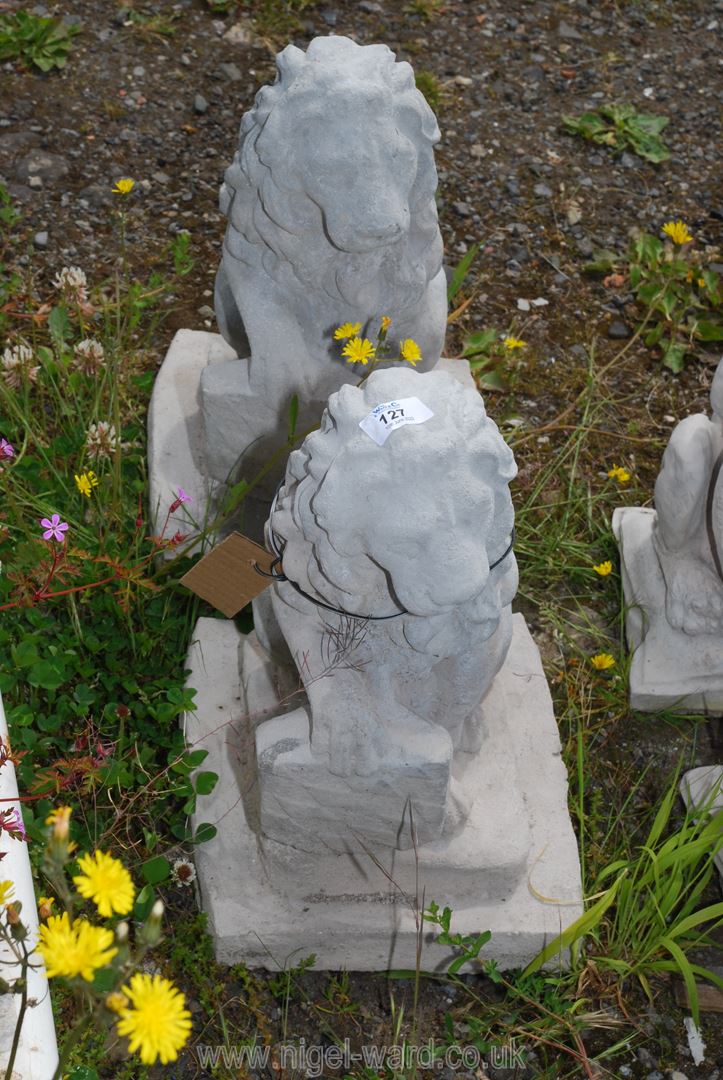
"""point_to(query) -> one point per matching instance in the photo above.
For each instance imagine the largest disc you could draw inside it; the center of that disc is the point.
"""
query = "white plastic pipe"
(37, 1056)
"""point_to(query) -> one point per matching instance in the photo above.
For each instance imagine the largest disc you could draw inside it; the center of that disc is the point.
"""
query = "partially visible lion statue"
(331, 218)
(419, 529)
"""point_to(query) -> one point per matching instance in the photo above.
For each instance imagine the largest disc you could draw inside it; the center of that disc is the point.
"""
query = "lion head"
(332, 186)
(413, 524)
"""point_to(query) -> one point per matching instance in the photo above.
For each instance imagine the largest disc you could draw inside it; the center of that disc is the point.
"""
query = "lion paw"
(694, 596)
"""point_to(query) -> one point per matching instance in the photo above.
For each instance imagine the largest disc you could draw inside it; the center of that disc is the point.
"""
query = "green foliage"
(274, 19)
(679, 293)
(283, 986)
(467, 945)
(621, 128)
(152, 23)
(429, 85)
(648, 916)
(93, 689)
(35, 39)
(181, 252)
(424, 9)
(461, 272)
(682, 297)
(9, 216)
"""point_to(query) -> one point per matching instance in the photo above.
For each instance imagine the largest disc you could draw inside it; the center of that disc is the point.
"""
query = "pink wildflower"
(11, 822)
(181, 497)
(55, 528)
(6, 449)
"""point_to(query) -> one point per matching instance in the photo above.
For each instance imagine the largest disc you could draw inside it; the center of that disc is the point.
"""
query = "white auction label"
(382, 420)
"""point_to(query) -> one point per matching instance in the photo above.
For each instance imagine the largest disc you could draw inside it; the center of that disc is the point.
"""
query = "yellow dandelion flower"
(602, 661)
(86, 482)
(603, 568)
(116, 1002)
(106, 882)
(159, 1024)
(347, 330)
(60, 820)
(124, 186)
(513, 343)
(619, 473)
(45, 906)
(74, 949)
(677, 231)
(6, 892)
(701, 283)
(359, 351)
(386, 323)
(410, 351)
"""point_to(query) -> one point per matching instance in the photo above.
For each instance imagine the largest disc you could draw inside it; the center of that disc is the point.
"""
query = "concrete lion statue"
(331, 218)
(400, 572)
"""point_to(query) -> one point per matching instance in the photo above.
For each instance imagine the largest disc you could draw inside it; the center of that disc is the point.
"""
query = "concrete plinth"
(670, 669)
(513, 868)
(702, 789)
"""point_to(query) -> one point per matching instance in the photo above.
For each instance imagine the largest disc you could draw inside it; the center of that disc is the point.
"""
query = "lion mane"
(306, 196)
(436, 513)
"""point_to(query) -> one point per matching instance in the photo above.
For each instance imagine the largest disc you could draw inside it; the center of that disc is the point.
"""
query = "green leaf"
(47, 675)
(194, 758)
(674, 356)
(59, 325)
(479, 342)
(204, 832)
(709, 331)
(144, 902)
(293, 416)
(602, 262)
(650, 122)
(82, 1072)
(590, 125)
(460, 272)
(156, 870)
(25, 653)
(577, 930)
(205, 782)
(687, 974)
(491, 380)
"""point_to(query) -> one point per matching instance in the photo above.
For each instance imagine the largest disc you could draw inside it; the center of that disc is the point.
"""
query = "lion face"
(418, 521)
(343, 197)
(365, 188)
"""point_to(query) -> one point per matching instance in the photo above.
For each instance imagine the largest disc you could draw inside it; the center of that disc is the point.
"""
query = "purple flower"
(183, 496)
(6, 449)
(13, 823)
(55, 528)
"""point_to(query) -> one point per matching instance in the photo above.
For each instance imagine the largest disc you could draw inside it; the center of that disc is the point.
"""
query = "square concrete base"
(702, 788)
(513, 869)
(670, 669)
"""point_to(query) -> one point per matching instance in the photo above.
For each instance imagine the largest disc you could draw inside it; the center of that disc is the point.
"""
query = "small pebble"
(40, 240)
(230, 72)
(619, 331)
(542, 191)
(200, 104)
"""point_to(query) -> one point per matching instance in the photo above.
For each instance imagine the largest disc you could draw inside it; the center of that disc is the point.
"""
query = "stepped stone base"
(670, 669)
(512, 869)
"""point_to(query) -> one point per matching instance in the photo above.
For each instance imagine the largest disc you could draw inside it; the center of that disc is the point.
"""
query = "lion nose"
(386, 231)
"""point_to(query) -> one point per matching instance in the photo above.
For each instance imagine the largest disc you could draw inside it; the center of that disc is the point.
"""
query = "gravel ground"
(165, 109)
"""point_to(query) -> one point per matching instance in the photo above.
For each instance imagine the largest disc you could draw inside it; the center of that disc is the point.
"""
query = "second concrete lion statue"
(331, 211)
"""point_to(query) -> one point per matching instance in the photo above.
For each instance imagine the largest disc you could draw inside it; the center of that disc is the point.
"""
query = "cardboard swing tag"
(227, 577)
